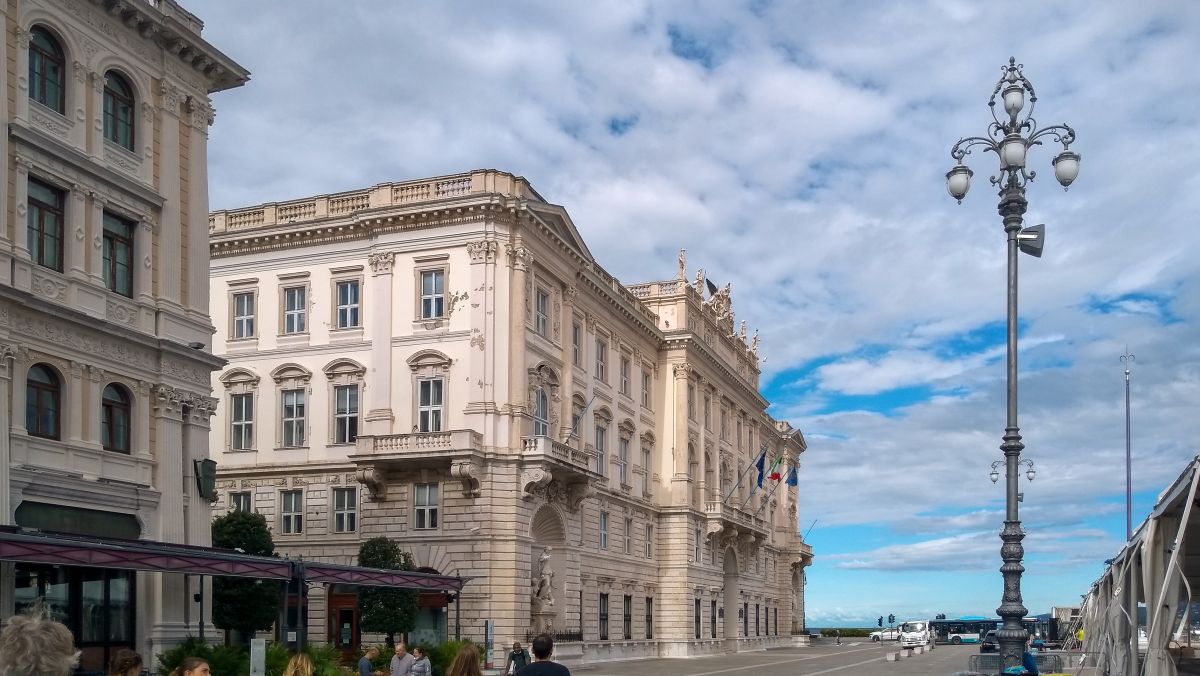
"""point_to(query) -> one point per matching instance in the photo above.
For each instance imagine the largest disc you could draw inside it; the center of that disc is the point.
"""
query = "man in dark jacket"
(543, 648)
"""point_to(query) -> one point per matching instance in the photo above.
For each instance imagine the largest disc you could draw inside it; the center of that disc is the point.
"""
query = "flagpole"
(775, 465)
(575, 425)
(766, 499)
(762, 449)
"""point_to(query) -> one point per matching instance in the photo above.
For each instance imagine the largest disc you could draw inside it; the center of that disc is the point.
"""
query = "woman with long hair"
(192, 666)
(466, 663)
(300, 665)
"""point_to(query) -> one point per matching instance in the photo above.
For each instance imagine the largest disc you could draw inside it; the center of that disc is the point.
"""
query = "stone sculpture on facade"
(543, 593)
(683, 263)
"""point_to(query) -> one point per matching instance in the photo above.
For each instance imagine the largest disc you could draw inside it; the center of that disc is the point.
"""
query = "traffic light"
(881, 620)
(891, 618)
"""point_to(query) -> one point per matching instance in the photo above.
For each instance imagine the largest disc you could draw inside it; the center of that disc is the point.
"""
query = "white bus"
(962, 630)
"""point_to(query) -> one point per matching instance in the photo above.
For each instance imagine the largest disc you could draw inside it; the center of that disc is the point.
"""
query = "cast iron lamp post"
(1010, 138)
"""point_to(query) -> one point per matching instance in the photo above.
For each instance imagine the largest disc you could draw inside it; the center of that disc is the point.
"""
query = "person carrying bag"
(518, 657)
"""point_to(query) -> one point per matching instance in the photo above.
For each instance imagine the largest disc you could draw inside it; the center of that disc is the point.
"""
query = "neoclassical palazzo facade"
(443, 362)
(104, 324)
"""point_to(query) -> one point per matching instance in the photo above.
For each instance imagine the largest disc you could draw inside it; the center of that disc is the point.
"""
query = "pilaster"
(7, 368)
(168, 594)
(169, 283)
(96, 216)
(380, 416)
(481, 398)
(519, 259)
(200, 115)
(568, 378)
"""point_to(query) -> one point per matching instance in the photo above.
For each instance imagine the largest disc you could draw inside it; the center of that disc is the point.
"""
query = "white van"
(914, 633)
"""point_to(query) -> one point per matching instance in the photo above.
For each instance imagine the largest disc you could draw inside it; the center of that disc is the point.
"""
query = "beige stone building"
(443, 362)
(104, 324)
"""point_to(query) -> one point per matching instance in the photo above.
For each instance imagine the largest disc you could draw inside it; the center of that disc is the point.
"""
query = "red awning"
(74, 550)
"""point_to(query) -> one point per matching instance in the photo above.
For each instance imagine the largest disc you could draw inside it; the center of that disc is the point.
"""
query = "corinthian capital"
(381, 263)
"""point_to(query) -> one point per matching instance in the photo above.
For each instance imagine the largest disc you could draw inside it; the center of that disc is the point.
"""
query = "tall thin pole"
(1127, 359)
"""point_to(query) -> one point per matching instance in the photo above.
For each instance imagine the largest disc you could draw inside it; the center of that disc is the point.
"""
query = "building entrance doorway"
(343, 622)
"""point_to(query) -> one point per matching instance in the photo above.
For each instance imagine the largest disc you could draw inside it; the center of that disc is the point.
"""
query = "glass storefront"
(96, 604)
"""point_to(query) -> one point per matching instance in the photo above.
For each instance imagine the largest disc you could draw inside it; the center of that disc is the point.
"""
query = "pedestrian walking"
(401, 662)
(466, 663)
(33, 643)
(543, 650)
(365, 668)
(125, 663)
(421, 665)
(838, 633)
(518, 657)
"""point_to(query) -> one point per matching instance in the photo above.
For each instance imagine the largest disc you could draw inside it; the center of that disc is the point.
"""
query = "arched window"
(115, 419)
(541, 413)
(118, 110)
(43, 400)
(46, 67)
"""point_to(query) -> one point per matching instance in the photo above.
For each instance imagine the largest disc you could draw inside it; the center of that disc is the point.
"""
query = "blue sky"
(798, 151)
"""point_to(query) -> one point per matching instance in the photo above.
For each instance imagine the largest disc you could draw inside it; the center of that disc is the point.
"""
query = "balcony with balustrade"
(459, 450)
(731, 520)
(556, 471)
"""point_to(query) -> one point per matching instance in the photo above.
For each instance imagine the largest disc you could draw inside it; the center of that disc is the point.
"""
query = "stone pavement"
(849, 659)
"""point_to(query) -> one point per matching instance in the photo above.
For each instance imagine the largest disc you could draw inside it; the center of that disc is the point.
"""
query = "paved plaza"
(850, 658)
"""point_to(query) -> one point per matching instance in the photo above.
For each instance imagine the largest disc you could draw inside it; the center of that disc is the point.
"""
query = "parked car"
(989, 644)
(885, 635)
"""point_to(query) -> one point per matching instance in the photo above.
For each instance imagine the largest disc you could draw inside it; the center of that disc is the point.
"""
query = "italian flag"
(773, 474)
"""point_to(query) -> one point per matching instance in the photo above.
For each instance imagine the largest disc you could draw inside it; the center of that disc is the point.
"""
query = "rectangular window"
(295, 309)
(604, 617)
(756, 632)
(712, 619)
(623, 460)
(242, 426)
(649, 546)
(118, 255)
(626, 367)
(708, 412)
(649, 617)
(577, 344)
(345, 510)
(647, 393)
(541, 313)
(776, 621)
(602, 360)
(425, 506)
(429, 404)
(292, 512)
(627, 618)
(348, 299)
(724, 423)
(601, 448)
(345, 414)
(646, 473)
(691, 401)
(628, 536)
(745, 618)
(293, 418)
(243, 315)
(45, 224)
(603, 530)
(696, 617)
(696, 547)
(433, 294)
(240, 501)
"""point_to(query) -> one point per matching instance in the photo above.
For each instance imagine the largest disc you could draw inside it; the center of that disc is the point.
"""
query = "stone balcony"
(460, 450)
(734, 525)
(557, 472)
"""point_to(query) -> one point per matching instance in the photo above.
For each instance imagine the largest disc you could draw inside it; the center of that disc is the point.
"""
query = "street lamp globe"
(1012, 152)
(1066, 167)
(995, 476)
(1014, 99)
(1030, 474)
(958, 181)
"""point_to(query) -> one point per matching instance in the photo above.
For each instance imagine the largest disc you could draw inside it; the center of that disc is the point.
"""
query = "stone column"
(21, 111)
(567, 391)
(96, 253)
(93, 385)
(93, 109)
(7, 378)
(200, 115)
(21, 199)
(76, 401)
(481, 396)
(380, 416)
(519, 259)
(679, 474)
(168, 598)
(169, 251)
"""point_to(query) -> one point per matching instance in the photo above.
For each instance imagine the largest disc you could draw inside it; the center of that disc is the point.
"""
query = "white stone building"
(443, 362)
(104, 324)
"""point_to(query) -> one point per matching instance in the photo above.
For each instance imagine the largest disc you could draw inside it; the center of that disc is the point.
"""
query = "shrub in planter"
(223, 660)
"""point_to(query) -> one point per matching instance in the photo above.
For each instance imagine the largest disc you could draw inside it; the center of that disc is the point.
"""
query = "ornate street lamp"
(1010, 138)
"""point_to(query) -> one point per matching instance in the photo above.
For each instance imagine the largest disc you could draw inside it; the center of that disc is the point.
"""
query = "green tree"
(386, 610)
(243, 604)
